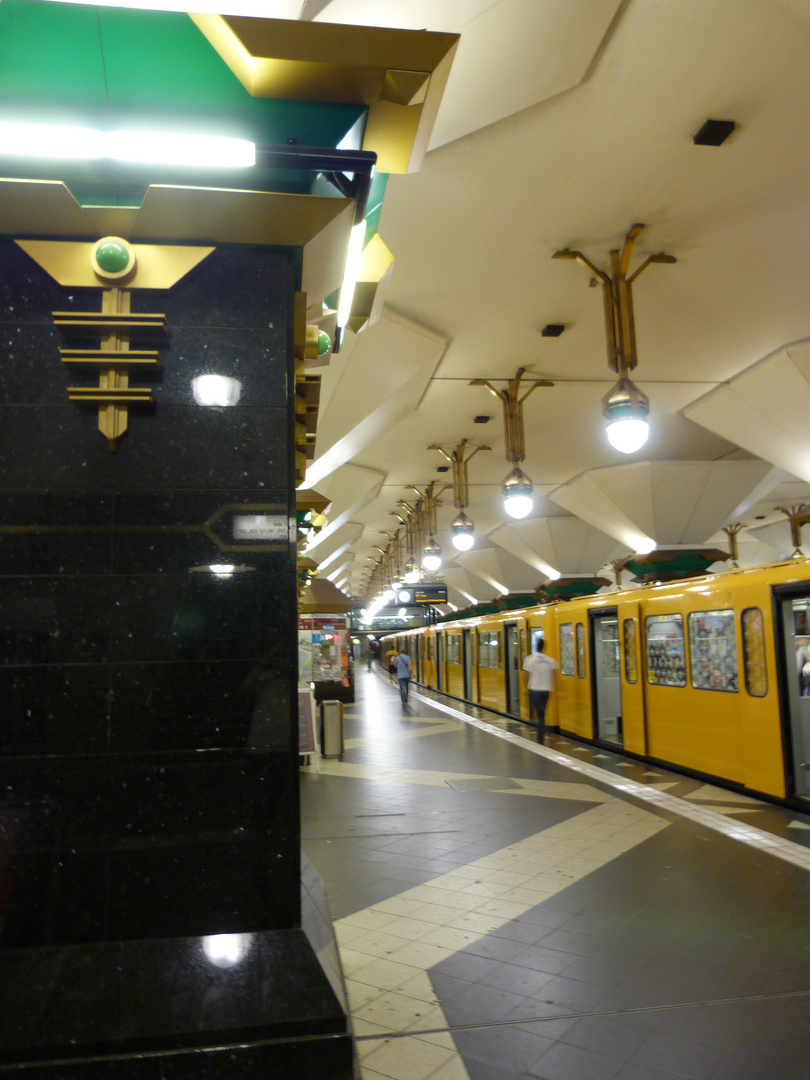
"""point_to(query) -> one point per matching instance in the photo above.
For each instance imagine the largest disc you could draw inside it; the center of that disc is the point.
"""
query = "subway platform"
(509, 911)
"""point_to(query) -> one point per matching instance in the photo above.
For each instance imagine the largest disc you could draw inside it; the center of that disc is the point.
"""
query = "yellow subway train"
(709, 675)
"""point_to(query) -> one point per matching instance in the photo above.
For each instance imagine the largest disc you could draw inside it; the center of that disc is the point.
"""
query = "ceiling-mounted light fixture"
(411, 571)
(432, 556)
(625, 406)
(517, 488)
(463, 529)
(517, 494)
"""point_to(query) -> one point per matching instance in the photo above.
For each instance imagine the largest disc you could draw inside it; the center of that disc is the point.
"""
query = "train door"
(607, 686)
(466, 659)
(512, 665)
(796, 630)
(439, 661)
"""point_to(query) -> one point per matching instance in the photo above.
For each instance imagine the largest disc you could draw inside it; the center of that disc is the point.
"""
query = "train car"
(709, 675)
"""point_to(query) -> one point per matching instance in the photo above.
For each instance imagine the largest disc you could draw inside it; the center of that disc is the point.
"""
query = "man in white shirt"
(541, 675)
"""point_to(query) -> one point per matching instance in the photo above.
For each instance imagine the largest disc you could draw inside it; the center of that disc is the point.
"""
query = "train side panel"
(690, 725)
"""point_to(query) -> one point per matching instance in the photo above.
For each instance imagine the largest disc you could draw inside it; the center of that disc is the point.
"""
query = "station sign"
(422, 594)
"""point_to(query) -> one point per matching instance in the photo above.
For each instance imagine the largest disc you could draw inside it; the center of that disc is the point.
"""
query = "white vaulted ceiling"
(563, 123)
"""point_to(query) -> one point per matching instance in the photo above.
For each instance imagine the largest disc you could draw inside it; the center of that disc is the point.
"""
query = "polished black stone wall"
(149, 761)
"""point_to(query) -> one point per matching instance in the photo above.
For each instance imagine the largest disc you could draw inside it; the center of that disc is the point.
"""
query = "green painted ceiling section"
(106, 67)
(95, 65)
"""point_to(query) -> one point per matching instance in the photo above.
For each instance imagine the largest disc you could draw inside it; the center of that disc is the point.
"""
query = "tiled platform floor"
(513, 912)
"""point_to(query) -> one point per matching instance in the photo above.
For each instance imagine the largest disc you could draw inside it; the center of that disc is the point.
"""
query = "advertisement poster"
(323, 654)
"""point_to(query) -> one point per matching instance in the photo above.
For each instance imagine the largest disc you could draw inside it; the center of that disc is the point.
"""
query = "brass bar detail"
(114, 325)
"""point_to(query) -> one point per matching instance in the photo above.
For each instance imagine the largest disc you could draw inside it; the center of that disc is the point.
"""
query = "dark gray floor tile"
(566, 1062)
(510, 1047)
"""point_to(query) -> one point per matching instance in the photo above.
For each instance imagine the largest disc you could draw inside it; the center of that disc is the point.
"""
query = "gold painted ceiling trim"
(319, 225)
(175, 214)
(400, 75)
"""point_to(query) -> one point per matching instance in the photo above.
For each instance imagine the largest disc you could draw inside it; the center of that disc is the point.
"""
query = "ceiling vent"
(552, 329)
(481, 419)
(713, 133)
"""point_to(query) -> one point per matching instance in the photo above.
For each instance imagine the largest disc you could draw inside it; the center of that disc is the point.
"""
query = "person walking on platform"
(403, 674)
(541, 679)
(391, 661)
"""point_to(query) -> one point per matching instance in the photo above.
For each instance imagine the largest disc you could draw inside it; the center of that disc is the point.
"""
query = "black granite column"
(149, 758)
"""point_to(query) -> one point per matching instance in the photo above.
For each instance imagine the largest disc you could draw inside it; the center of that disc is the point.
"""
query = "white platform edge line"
(787, 850)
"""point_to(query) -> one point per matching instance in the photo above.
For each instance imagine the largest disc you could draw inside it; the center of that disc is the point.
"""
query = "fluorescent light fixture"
(260, 9)
(216, 390)
(351, 271)
(133, 145)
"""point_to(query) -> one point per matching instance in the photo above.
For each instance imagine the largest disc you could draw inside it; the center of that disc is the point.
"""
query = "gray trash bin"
(332, 729)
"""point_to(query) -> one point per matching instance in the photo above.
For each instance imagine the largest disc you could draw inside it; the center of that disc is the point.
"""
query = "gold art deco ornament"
(117, 267)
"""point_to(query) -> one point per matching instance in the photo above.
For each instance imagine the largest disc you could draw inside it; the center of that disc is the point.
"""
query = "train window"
(666, 651)
(566, 648)
(487, 649)
(453, 654)
(713, 651)
(536, 634)
(630, 650)
(753, 643)
(581, 650)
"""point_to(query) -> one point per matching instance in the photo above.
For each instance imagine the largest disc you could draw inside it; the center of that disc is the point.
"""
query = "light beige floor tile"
(507, 877)
(378, 942)
(463, 900)
(360, 994)
(503, 909)
(353, 961)
(435, 913)
(363, 1027)
(368, 918)
(459, 872)
(532, 897)
(488, 888)
(420, 954)
(385, 974)
(421, 988)
(433, 1019)
(398, 905)
(479, 923)
(410, 929)
(392, 1010)
(454, 938)
(452, 1070)
(408, 1059)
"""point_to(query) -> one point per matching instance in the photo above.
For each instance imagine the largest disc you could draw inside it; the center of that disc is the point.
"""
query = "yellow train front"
(706, 675)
